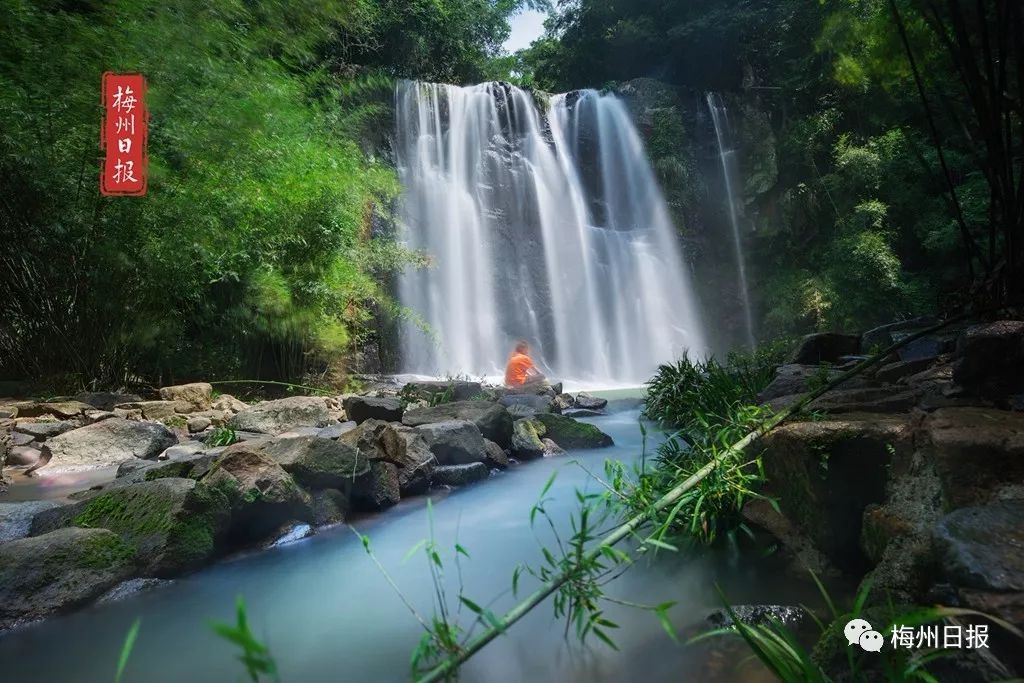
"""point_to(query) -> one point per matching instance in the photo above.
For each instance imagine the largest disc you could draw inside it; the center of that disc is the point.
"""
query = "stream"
(328, 614)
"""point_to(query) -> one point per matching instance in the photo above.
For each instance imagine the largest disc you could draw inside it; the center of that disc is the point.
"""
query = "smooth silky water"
(544, 220)
(329, 616)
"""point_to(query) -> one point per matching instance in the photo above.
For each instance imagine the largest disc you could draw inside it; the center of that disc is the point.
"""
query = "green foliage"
(254, 250)
(126, 649)
(254, 655)
(693, 395)
(452, 41)
(832, 658)
(221, 436)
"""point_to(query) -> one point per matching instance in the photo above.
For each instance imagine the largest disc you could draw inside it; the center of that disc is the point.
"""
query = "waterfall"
(727, 156)
(543, 223)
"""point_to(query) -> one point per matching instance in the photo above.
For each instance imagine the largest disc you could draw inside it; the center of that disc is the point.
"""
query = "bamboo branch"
(443, 670)
(324, 392)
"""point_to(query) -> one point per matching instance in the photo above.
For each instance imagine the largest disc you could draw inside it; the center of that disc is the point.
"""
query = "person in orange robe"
(520, 370)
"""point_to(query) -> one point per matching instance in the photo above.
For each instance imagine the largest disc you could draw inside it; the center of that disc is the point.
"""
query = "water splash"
(720, 118)
(543, 223)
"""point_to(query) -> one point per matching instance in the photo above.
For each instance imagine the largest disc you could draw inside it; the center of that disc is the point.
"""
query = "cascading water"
(543, 225)
(720, 118)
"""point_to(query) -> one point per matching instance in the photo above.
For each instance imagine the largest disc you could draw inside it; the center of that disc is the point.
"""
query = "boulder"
(454, 442)
(107, 443)
(570, 434)
(151, 410)
(863, 400)
(275, 417)
(189, 398)
(406, 448)
(825, 347)
(551, 448)
(8, 412)
(519, 410)
(59, 571)
(106, 400)
(532, 403)
(562, 402)
(16, 518)
(263, 496)
(882, 337)
(526, 439)
(588, 402)
(44, 430)
(329, 506)
(582, 412)
(173, 525)
(978, 453)
(336, 430)
(25, 456)
(460, 475)
(198, 424)
(362, 408)
(990, 358)
(19, 439)
(793, 379)
(496, 456)
(442, 391)
(892, 372)
(60, 409)
(228, 404)
(92, 416)
(491, 419)
(982, 547)
(379, 489)
(313, 462)
(188, 466)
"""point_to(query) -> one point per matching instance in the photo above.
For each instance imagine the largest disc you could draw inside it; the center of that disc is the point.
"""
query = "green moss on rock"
(569, 433)
(171, 525)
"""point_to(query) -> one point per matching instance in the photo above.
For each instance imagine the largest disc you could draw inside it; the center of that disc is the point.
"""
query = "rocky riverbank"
(911, 476)
(185, 477)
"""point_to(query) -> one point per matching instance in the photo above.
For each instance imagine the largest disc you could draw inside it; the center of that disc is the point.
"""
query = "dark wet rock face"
(588, 402)
(455, 442)
(491, 419)
(454, 390)
(527, 404)
(460, 475)
(990, 359)
(825, 347)
(362, 408)
(982, 547)
(978, 453)
(759, 615)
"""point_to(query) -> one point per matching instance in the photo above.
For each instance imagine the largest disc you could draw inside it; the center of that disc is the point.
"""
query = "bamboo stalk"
(449, 665)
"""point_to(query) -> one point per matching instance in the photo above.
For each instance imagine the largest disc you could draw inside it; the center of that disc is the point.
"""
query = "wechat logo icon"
(859, 632)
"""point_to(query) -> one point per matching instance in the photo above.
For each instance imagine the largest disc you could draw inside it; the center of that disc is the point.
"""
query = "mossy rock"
(261, 494)
(60, 570)
(526, 442)
(172, 524)
(571, 434)
(313, 461)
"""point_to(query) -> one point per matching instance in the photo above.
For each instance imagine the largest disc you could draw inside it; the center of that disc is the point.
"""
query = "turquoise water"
(328, 614)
